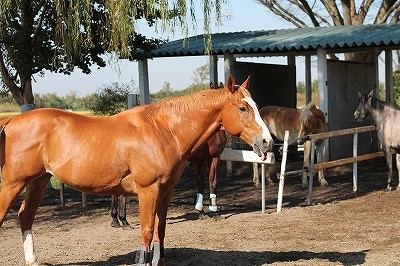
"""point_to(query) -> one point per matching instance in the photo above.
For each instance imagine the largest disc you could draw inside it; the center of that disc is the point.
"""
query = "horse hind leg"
(8, 194)
(34, 195)
(321, 159)
(389, 162)
(114, 211)
(212, 178)
(306, 160)
(398, 168)
(122, 211)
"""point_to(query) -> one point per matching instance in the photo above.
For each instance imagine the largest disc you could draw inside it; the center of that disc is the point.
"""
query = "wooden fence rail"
(312, 168)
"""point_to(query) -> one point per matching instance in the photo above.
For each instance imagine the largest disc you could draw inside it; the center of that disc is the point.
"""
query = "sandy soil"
(342, 228)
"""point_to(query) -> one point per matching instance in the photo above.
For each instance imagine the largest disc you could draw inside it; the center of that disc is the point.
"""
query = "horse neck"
(376, 108)
(191, 120)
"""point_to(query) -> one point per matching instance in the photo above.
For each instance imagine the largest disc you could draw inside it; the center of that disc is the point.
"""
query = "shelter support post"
(389, 76)
(144, 82)
(374, 61)
(307, 80)
(282, 174)
(229, 65)
(214, 70)
(323, 90)
(310, 183)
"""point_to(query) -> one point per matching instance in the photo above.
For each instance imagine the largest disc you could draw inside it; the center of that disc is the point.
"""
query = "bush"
(109, 99)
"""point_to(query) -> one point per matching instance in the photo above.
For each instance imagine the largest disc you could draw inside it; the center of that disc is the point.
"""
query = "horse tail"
(3, 123)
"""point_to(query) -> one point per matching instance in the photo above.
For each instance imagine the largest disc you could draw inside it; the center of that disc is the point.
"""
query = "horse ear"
(230, 83)
(371, 93)
(246, 83)
(359, 94)
(212, 86)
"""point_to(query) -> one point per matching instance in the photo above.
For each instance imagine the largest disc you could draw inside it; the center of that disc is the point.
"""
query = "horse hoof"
(388, 189)
(202, 215)
(125, 224)
(115, 224)
(324, 184)
(216, 216)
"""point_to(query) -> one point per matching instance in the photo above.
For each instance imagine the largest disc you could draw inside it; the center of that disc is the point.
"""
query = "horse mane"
(185, 102)
(306, 113)
(378, 104)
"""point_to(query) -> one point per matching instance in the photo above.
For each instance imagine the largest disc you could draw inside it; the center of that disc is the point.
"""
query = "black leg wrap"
(143, 256)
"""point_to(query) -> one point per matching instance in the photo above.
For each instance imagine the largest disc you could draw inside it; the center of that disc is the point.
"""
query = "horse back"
(279, 119)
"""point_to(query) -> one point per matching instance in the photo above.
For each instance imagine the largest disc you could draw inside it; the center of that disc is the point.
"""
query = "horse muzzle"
(358, 116)
(261, 146)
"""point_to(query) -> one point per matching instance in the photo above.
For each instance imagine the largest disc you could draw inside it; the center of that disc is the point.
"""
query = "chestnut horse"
(206, 159)
(140, 151)
(309, 120)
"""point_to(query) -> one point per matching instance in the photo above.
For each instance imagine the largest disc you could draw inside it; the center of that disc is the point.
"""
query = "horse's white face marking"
(29, 249)
(257, 116)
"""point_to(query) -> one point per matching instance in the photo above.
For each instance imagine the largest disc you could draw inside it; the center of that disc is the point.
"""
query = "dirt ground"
(341, 228)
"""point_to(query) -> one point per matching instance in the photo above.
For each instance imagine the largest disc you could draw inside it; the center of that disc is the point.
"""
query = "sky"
(178, 71)
(237, 15)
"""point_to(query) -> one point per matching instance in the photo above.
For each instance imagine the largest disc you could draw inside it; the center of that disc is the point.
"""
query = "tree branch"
(8, 81)
(307, 9)
(387, 7)
(333, 11)
(39, 26)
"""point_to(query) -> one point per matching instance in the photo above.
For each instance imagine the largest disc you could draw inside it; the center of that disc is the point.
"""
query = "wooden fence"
(315, 167)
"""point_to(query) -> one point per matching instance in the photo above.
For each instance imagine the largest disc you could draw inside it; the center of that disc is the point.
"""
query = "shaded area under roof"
(288, 40)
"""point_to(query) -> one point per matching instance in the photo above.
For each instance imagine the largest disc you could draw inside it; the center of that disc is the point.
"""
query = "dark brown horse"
(299, 122)
(141, 151)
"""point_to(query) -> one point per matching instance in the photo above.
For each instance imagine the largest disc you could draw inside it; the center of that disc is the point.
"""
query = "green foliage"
(396, 86)
(69, 102)
(162, 94)
(109, 99)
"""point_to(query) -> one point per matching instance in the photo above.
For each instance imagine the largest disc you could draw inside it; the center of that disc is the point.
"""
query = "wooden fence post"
(282, 174)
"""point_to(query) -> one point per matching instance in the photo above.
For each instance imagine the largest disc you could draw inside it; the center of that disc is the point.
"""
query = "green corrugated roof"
(281, 41)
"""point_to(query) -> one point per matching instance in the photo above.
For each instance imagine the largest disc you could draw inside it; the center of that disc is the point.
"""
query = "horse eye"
(242, 109)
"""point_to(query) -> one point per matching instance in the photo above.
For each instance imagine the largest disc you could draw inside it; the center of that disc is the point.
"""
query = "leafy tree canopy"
(60, 35)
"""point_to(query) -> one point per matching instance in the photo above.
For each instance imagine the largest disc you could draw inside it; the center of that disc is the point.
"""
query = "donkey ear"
(359, 94)
(230, 83)
(246, 83)
(371, 93)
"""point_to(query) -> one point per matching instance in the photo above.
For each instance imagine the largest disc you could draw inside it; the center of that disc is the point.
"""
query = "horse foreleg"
(34, 195)
(321, 159)
(114, 211)
(306, 161)
(389, 162)
(212, 178)
(122, 210)
(148, 204)
(200, 164)
(256, 180)
(398, 168)
(159, 230)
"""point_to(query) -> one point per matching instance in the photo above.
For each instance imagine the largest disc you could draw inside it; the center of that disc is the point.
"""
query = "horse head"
(363, 107)
(240, 117)
(312, 121)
